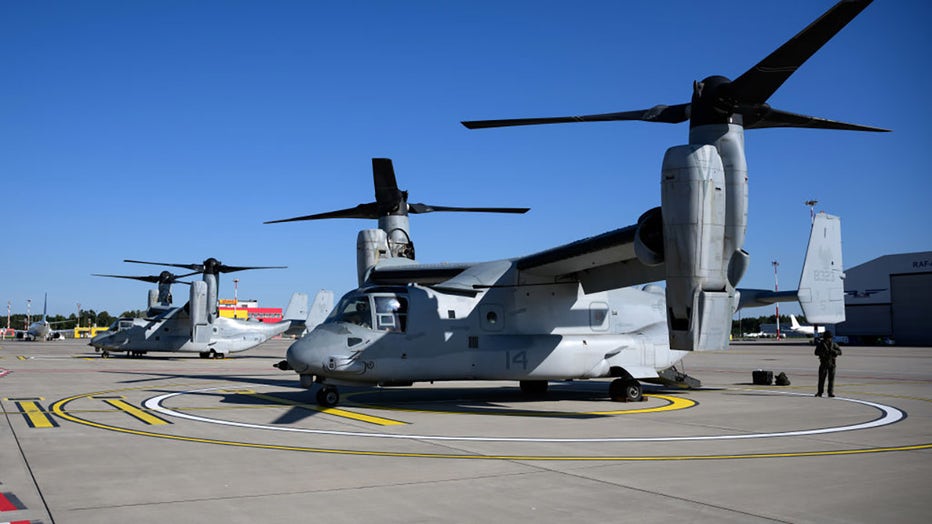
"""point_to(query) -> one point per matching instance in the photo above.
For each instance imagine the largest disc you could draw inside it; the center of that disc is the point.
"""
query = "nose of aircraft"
(307, 355)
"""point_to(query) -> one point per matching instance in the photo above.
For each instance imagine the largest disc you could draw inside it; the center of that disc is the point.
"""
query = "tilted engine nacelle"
(371, 247)
(197, 310)
(153, 299)
(700, 299)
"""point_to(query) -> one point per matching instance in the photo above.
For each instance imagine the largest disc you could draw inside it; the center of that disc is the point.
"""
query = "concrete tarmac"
(181, 439)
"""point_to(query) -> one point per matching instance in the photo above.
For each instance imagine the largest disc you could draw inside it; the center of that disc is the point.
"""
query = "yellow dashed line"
(332, 411)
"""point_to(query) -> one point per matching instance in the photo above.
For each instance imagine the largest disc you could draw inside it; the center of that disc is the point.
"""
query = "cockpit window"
(391, 313)
(353, 309)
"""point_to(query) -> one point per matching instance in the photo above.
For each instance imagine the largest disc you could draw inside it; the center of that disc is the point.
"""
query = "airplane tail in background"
(821, 292)
(323, 304)
(303, 317)
(794, 323)
(821, 287)
(297, 307)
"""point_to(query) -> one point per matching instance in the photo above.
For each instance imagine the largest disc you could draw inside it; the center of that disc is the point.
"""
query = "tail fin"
(821, 292)
(297, 307)
(303, 317)
(45, 306)
(821, 287)
(323, 304)
(794, 323)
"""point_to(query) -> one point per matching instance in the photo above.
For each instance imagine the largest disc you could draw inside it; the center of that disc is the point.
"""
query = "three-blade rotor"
(165, 277)
(210, 266)
(389, 200)
(717, 99)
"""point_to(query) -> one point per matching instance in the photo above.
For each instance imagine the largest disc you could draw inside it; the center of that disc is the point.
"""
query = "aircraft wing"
(599, 263)
(610, 260)
(396, 273)
(469, 278)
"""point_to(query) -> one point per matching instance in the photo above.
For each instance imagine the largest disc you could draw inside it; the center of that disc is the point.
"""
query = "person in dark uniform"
(827, 350)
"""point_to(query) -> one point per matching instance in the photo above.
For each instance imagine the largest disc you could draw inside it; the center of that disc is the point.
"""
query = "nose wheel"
(625, 390)
(328, 396)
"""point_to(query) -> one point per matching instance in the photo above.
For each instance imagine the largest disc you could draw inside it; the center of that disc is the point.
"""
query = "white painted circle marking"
(890, 415)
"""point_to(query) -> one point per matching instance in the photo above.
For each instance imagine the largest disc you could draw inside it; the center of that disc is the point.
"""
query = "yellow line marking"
(674, 403)
(59, 409)
(332, 411)
(36, 417)
(132, 410)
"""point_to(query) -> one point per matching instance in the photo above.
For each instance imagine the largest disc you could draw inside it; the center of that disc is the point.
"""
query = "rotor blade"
(193, 267)
(661, 113)
(383, 177)
(424, 208)
(778, 118)
(232, 269)
(147, 278)
(370, 210)
(757, 84)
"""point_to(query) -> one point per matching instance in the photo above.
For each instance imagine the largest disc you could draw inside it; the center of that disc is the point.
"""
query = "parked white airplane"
(806, 330)
(42, 329)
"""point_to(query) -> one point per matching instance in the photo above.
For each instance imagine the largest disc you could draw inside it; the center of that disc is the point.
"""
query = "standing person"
(827, 350)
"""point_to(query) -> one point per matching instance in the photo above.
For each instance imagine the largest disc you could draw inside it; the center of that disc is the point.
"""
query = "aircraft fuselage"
(542, 332)
(174, 334)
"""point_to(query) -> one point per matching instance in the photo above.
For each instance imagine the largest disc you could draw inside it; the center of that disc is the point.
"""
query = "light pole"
(235, 292)
(776, 288)
(28, 311)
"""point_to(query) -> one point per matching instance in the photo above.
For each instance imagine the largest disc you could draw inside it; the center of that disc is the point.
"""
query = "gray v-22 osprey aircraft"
(584, 310)
(196, 327)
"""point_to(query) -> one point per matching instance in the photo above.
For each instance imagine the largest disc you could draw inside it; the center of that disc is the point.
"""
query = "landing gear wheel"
(625, 390)
(534, 388)
(211, 354)
(204, 354)
(328, 396)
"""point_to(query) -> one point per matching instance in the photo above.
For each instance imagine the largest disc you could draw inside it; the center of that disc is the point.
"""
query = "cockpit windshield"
(389, 314)
(121, 324)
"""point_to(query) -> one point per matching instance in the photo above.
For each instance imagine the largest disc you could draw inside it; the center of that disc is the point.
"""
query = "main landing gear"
(328, 396)
(625, 390)
(211, 354)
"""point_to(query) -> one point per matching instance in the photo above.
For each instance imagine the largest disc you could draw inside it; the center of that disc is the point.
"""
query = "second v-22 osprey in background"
(197, 327)
(586, 310)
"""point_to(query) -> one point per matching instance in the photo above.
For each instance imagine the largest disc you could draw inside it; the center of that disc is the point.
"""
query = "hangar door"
(912, 309)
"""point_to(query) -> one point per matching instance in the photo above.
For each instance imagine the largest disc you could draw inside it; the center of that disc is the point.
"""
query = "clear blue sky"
(170, 130)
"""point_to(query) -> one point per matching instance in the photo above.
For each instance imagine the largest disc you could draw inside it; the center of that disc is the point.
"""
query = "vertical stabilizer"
(297, 307)
(323, 304)
(821, 286)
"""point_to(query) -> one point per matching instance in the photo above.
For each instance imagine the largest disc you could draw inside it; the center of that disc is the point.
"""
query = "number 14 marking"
(518, 359)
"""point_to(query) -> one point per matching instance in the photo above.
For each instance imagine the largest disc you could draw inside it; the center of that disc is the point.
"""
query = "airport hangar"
(889, 298)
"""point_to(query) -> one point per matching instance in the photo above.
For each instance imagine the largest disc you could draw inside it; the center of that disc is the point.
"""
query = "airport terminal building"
(889, 298)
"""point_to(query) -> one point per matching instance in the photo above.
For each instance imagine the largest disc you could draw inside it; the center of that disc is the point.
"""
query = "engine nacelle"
(699, 301)
(648, 242)
(197, 310)
(371, 247)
